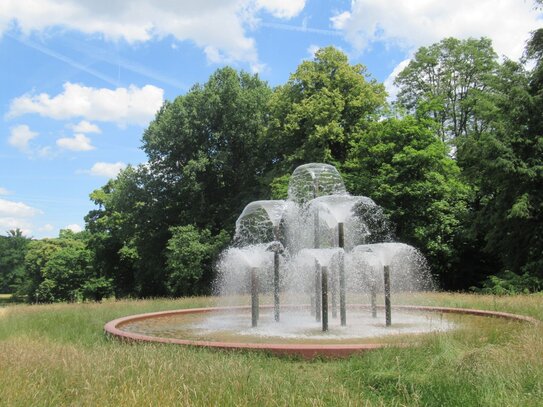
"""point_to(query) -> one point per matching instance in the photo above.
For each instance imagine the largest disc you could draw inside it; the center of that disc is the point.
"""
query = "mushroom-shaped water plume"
(404, 268)
(315, 272)
(365, 273)
(246, 269)
(311, 180)
(260, 222)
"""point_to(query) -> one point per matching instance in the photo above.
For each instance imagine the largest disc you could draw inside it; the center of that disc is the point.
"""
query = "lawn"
(57, 355)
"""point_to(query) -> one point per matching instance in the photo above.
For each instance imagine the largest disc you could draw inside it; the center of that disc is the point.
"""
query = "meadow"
(58, 355)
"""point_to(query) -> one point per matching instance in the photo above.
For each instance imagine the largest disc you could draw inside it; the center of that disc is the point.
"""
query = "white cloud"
(392, 89)
(282, 8)
(207, 23)
(78, 142)
(20, 136)
(15, 215)
(74, 227)
(85, 126)
(16, 209)
(9, 223)
(411, 24)
(312, 50)
(46, 228)
(4, 191)
(123, 106)
(110, 170)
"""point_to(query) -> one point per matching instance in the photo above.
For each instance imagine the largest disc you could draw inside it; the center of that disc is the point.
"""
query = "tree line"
(456, 163)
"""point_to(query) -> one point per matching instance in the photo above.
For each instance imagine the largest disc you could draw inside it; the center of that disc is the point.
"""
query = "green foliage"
(509, 283)
(97, 288)
(61, 270)
(320, 110)
(189, 256)
(447, 82)
(206, 153)
(12, 254)
(505, 166)
(406, 170)
(205, 163)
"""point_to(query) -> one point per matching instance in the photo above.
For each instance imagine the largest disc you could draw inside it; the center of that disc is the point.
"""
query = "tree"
(505, 165)
(60, 269)
(205, 149)
(402, 166)
(205, 162)
(324, 105)
(449, 82)
(189, 258)
(12, 254)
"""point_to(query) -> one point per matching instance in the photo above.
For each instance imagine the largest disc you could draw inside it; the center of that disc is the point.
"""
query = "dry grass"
(57, 355)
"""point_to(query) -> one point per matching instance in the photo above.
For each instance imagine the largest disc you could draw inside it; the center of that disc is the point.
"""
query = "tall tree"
(402, 166)
(205, 149)
(205, 162)
(505, 164)
(324, 105)
(448, 82)
(12, 253)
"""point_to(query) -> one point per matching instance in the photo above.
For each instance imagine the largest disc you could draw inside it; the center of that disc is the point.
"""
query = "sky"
(80, 80)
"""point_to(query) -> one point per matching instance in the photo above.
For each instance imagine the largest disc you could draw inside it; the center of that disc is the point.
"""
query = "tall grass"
(57, 355)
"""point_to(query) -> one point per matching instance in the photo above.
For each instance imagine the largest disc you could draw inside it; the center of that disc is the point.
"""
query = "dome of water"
(259, 222)
(309, 181)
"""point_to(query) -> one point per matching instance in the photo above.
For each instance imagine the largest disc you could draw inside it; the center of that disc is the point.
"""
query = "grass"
(57, 355)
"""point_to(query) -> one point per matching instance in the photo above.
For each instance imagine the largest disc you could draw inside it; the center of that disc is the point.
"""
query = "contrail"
(108, 57)
(63, 58)
(301, 28)
(104, 56)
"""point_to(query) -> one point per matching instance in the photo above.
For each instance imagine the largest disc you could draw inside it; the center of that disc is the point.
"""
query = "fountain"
(315, 245)
(304, 258)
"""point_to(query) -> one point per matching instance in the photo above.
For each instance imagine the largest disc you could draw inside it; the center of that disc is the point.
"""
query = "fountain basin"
(306, 350)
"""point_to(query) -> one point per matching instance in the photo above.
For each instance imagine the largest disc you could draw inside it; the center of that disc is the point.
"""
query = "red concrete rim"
(307, 351)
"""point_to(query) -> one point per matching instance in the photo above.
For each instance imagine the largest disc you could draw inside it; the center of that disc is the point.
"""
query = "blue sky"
(81, 79)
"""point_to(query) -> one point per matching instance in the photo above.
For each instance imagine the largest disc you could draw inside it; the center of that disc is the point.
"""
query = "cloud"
(46, 228)
(4, 191)
(9, 223)
(132, 105)
(312, 50)
(282, 8)
(207, 23)
(16, 209)
(20, 136)
(74, 227)
(15, 215)
(110, 170)
(79, 142)
(85, 127)
(392, 89)
(411, 24)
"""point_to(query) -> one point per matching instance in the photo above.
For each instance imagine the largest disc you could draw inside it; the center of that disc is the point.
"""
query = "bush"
(508, 283)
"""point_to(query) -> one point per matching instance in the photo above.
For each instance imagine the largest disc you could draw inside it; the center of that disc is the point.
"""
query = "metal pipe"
(324, 282)
(254, 297)
(387, 296)
(318, 292)
(373, 294)
(333, 280)
(342, 302)
(276, 285)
